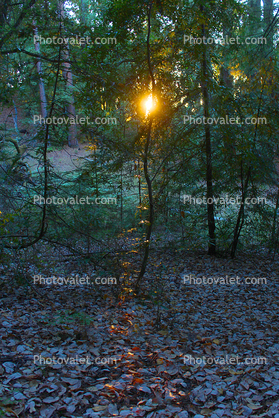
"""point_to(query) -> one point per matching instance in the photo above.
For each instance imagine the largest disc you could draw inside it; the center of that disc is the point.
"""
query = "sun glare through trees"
(139, 208)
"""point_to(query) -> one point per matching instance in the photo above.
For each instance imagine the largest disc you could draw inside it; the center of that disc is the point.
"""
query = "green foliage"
(111, 81)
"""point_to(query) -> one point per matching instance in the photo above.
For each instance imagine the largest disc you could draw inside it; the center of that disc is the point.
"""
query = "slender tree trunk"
(268, 24)
(43, 100)
(15, 118)
(181, 217)
(68, 76)
(226, 79)
(255, 13)
(268, 11)
(209, 176)
(151, 209)
(145, 164)
(43, 226)
(139, 177)
(121, 197)
(273, 229)
(83, 11)
(72, 138)
(96, 172)
(240, 218)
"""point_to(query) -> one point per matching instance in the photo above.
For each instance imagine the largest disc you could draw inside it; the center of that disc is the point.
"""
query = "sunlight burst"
(149, 104)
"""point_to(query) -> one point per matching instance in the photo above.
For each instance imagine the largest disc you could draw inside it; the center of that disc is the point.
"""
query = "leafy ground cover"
(162, 352)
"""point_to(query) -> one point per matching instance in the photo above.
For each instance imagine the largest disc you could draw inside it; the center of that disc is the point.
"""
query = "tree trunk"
(273, 229)
(15, 118)
(68, 76)
(83, 11)
(40, 73)
(255, 13)
(209, 176)
(240, 218)
(151, 209)
(226, 79)
(145, 165)
(268, 26)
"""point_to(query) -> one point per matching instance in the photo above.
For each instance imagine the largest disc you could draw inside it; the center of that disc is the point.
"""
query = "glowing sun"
(148, 104)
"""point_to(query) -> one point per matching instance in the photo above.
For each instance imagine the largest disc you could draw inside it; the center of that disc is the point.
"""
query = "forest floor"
(61, 160)
(169, 352)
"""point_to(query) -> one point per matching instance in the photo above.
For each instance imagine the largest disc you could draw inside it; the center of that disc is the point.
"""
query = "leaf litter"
(162, 354)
